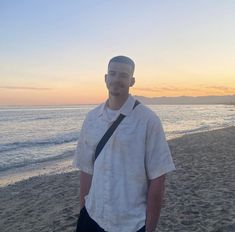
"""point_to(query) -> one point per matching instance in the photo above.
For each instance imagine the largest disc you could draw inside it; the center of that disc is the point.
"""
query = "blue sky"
(62, 48)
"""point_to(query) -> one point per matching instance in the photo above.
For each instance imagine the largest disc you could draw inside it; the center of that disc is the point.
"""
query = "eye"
(111, 73)
(124, 76)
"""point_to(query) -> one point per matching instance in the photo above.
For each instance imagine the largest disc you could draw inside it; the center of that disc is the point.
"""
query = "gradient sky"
(56, 52)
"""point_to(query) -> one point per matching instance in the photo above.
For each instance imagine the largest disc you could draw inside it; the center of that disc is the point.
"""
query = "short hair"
(123, 59)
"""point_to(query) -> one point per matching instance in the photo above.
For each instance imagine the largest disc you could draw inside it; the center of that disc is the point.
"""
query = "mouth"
(116, 85)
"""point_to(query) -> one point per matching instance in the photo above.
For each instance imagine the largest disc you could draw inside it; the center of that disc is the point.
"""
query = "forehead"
(120, 67)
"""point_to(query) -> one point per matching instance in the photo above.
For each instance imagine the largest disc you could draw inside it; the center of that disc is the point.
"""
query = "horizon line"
(76, 104)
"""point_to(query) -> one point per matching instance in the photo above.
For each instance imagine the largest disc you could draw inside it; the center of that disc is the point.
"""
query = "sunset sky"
(56, 52)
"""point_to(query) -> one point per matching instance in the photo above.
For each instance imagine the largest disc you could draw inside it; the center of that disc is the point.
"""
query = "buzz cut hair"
(123, 59)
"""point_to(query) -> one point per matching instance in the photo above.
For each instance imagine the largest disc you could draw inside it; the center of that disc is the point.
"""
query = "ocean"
(42, 140)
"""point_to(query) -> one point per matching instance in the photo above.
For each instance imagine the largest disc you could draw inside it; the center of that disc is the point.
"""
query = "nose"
(114, 76)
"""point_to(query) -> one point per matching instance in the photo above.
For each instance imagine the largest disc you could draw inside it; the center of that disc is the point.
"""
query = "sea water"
(44, 138)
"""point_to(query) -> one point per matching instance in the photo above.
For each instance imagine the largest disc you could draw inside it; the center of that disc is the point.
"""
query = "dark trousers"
(87, 224)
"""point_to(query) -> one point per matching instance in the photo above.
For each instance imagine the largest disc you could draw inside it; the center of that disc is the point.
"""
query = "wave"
(9, 119)
(27, 162)
(59, 139)
(198, 129)
(37, 119)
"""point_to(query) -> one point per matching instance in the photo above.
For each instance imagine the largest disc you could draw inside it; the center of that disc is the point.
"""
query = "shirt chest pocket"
(95, 132)
(125, 134)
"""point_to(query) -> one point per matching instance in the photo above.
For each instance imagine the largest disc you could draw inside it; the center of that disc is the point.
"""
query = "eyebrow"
(124, 73)
(120, 72)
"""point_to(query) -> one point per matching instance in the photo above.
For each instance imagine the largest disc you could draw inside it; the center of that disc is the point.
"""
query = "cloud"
(221, 88)
(196, 89)
(23, 88)
(146, 89)
(169, 89)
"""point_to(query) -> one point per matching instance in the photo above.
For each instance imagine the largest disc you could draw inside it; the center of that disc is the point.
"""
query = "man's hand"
(85, 184)
(154, 202)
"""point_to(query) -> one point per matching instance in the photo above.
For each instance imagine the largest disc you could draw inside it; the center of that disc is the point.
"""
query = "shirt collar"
(125, 109)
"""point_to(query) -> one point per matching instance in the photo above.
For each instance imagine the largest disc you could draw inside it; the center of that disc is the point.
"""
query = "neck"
(115, 103)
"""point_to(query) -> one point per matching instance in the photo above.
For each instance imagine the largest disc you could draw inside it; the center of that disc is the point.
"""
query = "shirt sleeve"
(83, 157)
(158, 158)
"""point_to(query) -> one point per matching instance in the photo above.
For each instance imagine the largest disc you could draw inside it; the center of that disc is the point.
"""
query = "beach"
(200, 194)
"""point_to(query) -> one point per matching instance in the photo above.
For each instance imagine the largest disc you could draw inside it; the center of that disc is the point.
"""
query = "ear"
(132, 81)
(105, 77)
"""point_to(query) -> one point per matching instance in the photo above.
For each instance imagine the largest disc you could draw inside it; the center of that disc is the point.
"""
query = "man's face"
(119, 78)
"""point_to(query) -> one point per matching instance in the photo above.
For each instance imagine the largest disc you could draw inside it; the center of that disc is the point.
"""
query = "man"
(122, 190)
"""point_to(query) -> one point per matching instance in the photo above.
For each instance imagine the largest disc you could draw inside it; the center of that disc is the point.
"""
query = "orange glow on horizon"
(91, 96)
(177, 92)
(92, 90)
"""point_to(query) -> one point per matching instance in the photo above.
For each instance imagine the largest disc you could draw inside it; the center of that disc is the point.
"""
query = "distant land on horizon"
(185, 100)
(182, 100)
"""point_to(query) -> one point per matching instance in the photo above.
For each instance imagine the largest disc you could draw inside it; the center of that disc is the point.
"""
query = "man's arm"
(85, 184)
(154, 202)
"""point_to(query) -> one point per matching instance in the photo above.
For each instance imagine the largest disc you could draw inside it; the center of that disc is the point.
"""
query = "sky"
(56, 52)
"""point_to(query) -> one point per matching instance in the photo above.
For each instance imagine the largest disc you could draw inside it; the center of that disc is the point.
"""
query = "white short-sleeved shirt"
(136, 152)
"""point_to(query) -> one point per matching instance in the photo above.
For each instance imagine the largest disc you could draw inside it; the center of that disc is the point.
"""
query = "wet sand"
(200, 194)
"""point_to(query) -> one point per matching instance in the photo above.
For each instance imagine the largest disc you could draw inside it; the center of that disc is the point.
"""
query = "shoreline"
(198, 194)
(59, 166)
(16, 175)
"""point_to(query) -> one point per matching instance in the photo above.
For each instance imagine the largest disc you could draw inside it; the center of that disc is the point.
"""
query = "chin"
(115, 94)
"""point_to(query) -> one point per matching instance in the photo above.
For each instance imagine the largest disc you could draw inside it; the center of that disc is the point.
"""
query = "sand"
(200, 194)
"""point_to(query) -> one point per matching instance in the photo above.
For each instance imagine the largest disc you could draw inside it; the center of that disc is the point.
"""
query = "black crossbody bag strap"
(110, 131)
